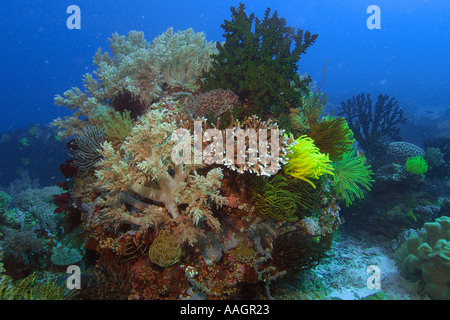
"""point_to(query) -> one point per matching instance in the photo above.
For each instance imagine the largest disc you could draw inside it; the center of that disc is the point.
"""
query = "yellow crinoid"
(306, 161)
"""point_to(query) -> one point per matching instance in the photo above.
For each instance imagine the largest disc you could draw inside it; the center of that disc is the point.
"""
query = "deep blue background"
(407, 59)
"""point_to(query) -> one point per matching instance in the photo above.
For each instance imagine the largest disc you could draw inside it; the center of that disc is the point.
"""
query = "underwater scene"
(225, 150)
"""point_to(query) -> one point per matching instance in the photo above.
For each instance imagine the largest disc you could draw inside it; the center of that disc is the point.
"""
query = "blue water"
(407, 58)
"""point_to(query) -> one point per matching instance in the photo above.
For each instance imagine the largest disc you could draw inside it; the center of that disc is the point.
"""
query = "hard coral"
(400, 151)
(247, 157)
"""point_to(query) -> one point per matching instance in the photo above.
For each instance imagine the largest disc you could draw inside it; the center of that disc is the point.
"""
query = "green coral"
(428, 257)
(282, 198)
(416, 165)
(259, 61)
(351, 174)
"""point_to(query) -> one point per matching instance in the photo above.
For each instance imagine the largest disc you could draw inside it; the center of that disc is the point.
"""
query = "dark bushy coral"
(258, 60)
(372, 125)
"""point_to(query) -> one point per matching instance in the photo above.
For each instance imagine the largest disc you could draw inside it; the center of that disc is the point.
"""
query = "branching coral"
(332, 136)
(350, 175)
(259, 60)
(372, 124)
(306, 161)
(143, 173)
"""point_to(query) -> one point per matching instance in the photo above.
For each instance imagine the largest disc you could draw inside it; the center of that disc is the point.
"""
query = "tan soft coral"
(182, 56)
(142, 174)
(129, 69)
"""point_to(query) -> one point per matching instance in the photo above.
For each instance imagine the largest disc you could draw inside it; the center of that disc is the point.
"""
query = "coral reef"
(165, 251)
(131, 78)
(182, 57)
(283, 199)
(117, 126)
(313, 105)
(294, 250)
(210, 174)
(33, 287)
(215, 103)
(146, 172)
